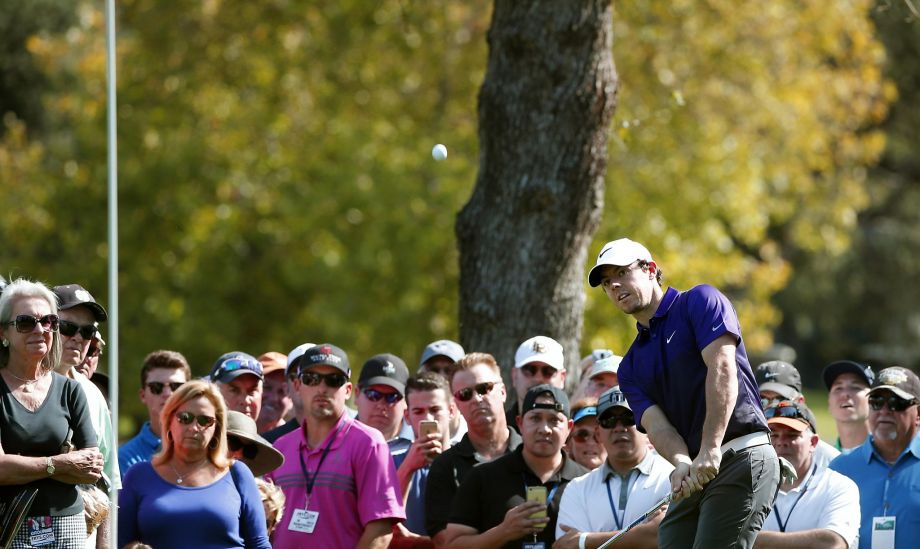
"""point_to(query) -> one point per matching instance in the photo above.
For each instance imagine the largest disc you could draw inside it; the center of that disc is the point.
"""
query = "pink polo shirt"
(356, 484)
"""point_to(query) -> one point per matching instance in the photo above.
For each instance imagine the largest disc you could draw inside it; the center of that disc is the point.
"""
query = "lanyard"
(784, 524)
(303, 466)
(613, 508)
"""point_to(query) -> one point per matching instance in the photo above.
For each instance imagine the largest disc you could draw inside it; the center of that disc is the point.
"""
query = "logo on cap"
(770, 375)
(892, 377)
(83, 295)
(539, 347)
(389, 369)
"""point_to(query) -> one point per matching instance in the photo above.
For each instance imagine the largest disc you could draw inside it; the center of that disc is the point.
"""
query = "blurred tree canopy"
(276, 184)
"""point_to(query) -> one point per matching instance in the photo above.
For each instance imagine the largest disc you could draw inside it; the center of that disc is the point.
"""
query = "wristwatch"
(50, 467)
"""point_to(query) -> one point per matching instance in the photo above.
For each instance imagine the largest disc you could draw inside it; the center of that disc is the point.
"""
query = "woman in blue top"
(191, 495)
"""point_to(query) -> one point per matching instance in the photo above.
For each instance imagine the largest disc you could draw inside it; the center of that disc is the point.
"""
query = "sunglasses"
(186, 418)
(785, 409)
(26, 323)
(70, 329)
(610, 421)
(374, 395)
(235, 445)
(895, 403)
(482, 389)
(233, 364)
(157, 388)
(530, 370)
(333, 381)
(770, 402)
(583, 435)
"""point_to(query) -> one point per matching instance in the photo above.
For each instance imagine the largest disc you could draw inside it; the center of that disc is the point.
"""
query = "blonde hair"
(18, 289)
(217, 446)
(474, 359)
(272, 501)
(95, 506)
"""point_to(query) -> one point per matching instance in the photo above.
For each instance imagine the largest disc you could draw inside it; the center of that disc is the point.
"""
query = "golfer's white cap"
(540, 349)
(620, 253)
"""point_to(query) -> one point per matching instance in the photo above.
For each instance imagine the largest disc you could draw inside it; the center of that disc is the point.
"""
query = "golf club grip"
(658, 505)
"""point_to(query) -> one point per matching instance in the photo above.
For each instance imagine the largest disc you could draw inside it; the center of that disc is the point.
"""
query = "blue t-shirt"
(885, 490)
(138, 450)
(665, 366)
(225, 513)
(415, 499)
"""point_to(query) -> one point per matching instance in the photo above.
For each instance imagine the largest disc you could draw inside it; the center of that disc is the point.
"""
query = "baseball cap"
(609, 399)
(583, 412)
(267, 458)
(899, 381)
(234, 364)
(272, 362)
(293, 358)
(620, 253)
(74, 295)
(442, 347)
(609, 365)
(560, 401)
(540, 349)
(384, 369)
(834, 369)
(780, 377)
(795, 415)
(324, 354)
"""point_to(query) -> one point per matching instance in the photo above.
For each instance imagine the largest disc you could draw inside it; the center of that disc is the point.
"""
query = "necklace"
(178, 476)
(26, 381)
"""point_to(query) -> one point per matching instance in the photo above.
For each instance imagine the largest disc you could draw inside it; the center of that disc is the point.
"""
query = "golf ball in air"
(439, 152)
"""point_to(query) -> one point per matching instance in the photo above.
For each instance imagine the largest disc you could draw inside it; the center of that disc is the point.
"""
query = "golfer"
(690, 386)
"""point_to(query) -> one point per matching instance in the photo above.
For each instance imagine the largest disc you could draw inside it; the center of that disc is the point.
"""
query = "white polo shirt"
(824, 454)
(825, 499)
(586, 505)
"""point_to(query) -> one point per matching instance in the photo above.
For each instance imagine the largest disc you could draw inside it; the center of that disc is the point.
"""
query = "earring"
(6, 343)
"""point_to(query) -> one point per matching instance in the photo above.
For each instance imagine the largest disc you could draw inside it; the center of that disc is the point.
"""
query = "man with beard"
(631, 480)
(887, 466)
(480, 395)
(338, 479)
(493, 507)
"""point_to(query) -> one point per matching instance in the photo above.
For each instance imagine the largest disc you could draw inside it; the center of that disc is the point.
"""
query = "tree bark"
(544, 110)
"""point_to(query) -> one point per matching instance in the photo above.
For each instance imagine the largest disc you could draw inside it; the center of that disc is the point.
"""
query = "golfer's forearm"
(667, 441)
(820, 538)
(721, 391)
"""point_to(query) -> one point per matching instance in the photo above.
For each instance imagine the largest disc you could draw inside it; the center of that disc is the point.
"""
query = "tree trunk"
(544, 109)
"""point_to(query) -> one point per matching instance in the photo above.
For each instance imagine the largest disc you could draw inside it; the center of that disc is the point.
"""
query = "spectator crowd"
(283, 450)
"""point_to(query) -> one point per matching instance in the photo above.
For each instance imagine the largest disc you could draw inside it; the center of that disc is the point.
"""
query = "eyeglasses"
(70, 329)
(482, 389)
(583, 435)
(249, 450)
(545, 371)
(374, 395)
(333, 381)
(157, 388)
(186, 418)
(895, 403)
(609, 421)
(26, 323)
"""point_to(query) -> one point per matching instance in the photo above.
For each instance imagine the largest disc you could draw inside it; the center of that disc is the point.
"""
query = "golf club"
(658, 505)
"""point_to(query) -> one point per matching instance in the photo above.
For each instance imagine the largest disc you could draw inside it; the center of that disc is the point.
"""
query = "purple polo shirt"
(664, 365)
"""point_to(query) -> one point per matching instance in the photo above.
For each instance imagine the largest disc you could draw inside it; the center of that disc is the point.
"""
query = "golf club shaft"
(658, 505)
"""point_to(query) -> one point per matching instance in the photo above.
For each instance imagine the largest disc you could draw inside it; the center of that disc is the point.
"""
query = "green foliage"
(276, 184)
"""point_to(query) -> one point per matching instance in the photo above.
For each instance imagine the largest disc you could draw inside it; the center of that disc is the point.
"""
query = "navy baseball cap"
(834, 369)
(234, 364)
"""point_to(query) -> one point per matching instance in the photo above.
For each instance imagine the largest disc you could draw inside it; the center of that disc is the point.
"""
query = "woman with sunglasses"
(42, 415)
(191, 482)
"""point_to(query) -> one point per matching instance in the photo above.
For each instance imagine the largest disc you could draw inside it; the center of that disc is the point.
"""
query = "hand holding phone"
(537, 494)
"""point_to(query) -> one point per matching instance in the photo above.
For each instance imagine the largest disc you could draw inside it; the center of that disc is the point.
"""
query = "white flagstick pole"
(112, 138)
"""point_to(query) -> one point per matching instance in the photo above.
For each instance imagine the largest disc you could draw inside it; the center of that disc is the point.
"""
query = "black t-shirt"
(445, 476)
(41, 433)
(490, 490)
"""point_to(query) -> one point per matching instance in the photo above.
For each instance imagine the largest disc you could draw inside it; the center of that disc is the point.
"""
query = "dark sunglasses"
(157, 388)
(70, 329)
(186, 418)
(610, 421)
(895, 403)
(249, 450)
(333, 381)
(531, 370)
(583, 435)
(482, 389)
(26, 323)
(233, 364)
(374, 395)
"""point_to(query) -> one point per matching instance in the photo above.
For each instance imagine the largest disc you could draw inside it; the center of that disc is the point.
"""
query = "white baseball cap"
(609, 365)
(540, 349)
(620, 253)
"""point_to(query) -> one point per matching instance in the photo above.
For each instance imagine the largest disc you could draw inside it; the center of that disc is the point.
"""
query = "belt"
(746, 441)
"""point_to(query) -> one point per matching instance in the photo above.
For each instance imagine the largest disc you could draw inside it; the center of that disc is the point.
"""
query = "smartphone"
(427, 427)
(538, 494)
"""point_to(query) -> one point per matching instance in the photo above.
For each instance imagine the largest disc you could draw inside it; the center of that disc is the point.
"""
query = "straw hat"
(267, 459)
